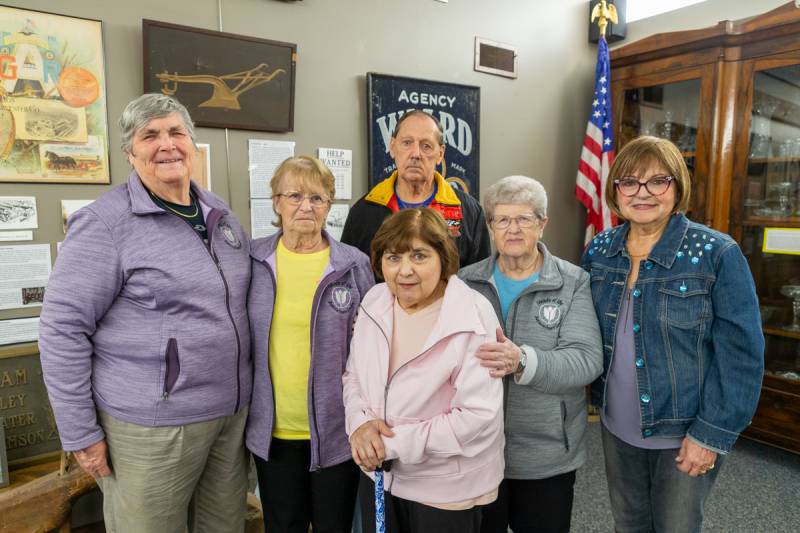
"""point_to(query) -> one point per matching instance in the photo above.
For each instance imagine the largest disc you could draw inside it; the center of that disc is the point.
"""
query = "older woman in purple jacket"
(305, 293)
(144, 339)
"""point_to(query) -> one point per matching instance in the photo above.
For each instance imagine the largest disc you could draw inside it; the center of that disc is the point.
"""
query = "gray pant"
(167, 478)
(649, 494)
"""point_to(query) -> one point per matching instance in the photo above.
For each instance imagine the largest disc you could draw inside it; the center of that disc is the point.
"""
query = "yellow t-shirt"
(290, 338)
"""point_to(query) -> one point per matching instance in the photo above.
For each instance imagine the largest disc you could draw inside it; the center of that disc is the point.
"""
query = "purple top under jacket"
(345, 281)
(621, 413)
(144, 321)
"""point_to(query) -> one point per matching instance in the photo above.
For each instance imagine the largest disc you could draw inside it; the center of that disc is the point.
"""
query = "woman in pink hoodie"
(418, 405)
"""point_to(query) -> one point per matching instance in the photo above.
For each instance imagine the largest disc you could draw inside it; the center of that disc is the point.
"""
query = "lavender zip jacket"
(345, 281)
(142, 320)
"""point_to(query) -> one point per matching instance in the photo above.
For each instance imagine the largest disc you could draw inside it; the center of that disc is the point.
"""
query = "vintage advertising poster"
(18, 212)
(456, 107)
(24, 270)
(53, 118)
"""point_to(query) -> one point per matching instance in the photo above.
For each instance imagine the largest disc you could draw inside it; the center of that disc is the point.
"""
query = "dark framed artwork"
(224, 80)
(456, 106)
(53, 116)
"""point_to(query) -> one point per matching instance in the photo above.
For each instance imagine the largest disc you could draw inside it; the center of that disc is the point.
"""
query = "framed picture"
(201, 166)
(224, 80)
(53, 116)
(456, 106)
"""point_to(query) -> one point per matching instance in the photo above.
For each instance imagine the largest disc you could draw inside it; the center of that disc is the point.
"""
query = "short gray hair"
(516, 190)
(147, 107)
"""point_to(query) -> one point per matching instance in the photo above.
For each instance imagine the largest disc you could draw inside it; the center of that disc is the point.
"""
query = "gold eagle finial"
(605, 12)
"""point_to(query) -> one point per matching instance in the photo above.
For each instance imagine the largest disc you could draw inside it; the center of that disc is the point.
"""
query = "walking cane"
(380, 508)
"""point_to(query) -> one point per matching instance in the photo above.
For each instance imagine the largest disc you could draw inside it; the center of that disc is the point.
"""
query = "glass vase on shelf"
(666, 127)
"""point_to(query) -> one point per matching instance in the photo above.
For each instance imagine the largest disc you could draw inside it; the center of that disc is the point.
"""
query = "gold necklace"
(163, 204)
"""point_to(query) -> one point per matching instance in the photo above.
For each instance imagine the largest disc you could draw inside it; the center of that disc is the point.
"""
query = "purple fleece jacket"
(142, 320)
(346, 280)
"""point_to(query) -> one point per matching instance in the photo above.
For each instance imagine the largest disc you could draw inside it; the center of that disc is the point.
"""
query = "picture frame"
(456, 106)
(201, 166)
(225, 80)
(492, 57)
(53, 111)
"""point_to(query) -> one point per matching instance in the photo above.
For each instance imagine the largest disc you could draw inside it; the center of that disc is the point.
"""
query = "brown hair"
(641, 153)
(423, 223)
(309, 171)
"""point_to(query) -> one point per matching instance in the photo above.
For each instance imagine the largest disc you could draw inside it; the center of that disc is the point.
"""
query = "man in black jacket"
(417, 146)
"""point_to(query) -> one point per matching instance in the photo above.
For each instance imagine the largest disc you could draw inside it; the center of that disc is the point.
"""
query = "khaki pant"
(167, 478)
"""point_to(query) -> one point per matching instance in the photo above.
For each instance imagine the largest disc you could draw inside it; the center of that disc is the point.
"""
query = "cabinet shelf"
(780, 332)
(774, 160)
(781, 222)
(687, 155)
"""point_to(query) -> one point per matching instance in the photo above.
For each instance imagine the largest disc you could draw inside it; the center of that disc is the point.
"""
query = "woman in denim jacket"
(682, 343)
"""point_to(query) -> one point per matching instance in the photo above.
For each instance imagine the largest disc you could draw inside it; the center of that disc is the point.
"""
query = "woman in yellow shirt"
(305, 291)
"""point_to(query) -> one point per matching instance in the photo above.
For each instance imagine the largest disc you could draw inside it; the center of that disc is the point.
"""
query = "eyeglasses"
(296, 198)
(523, 221)
(631, 186)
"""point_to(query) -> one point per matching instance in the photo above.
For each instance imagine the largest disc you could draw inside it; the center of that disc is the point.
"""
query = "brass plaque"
(30, 428)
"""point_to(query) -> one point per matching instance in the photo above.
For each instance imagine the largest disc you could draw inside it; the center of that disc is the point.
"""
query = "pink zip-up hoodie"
(444, 408)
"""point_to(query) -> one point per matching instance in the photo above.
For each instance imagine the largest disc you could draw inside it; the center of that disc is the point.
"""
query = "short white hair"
(516, 190)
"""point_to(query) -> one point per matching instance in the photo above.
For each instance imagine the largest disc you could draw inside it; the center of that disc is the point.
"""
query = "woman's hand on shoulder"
(501, 357)
(366, 444)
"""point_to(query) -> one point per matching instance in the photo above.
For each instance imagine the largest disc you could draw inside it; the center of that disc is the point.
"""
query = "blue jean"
(649, 494)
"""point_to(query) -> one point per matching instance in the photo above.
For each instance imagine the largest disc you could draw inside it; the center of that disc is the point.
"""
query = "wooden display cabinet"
(729, 97)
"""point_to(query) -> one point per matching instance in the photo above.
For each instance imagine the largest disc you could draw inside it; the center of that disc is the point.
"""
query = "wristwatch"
(523, 360)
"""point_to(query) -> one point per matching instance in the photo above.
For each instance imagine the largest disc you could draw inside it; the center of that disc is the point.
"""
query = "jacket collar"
(665, 250)
(264, 248)
(458, 314)
(142, 203)
(549, 275)
(383, 192)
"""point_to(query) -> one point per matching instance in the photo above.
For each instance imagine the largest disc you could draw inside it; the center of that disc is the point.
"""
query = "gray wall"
(532, 125)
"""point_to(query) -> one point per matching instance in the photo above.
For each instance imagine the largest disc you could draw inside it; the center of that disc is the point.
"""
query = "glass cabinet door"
(770, 205)
(670, 111)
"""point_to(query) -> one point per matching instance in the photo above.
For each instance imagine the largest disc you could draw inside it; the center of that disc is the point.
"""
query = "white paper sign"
(11, 236)
(336, 218)
(340, 162)
(18, 212)
(782, 241)
(24, 270)
(265, 156)
(261, 217)
(19, 330)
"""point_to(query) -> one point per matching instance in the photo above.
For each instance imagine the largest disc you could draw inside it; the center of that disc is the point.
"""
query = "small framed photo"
(495, 58)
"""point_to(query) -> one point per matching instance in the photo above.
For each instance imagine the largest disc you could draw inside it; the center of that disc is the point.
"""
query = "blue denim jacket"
(699, 344)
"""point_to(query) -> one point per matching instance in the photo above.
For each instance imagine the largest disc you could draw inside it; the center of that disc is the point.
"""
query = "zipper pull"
(164, 395)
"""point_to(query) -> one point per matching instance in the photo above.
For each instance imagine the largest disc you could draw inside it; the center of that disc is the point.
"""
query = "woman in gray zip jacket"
(548, 351)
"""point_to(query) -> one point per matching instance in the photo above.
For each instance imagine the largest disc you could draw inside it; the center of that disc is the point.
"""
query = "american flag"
(598, 151)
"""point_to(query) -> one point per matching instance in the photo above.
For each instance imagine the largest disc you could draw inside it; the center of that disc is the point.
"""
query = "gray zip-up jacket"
(144, 321)
(554, 321)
